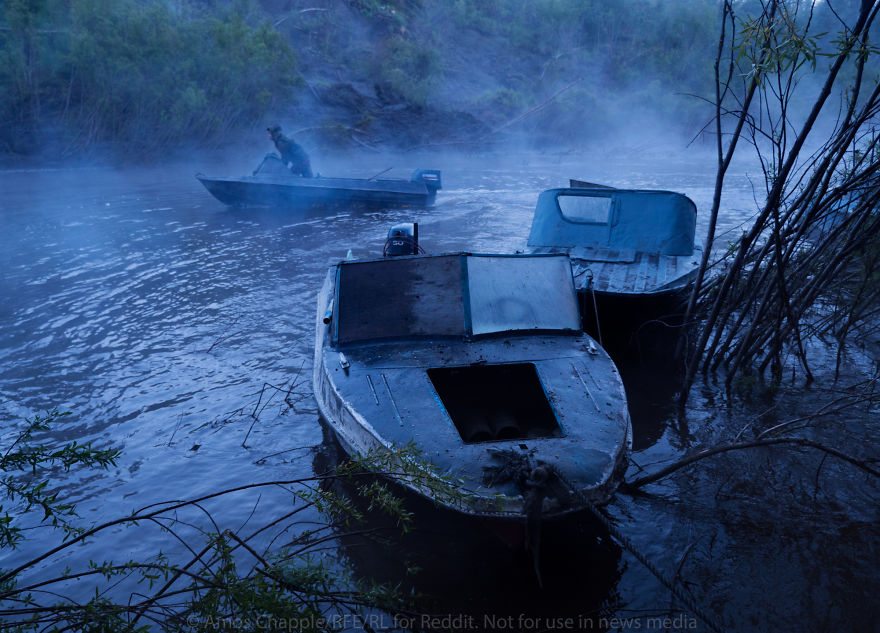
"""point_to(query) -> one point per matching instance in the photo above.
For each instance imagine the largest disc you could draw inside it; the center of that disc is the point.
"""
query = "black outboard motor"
(431, 178)
(403, 239)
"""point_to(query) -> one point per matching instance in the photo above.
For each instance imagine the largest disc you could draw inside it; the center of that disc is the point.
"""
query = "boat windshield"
(453, 296)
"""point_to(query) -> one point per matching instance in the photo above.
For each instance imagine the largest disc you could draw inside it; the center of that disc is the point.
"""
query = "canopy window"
(589, 209)
(453, 296)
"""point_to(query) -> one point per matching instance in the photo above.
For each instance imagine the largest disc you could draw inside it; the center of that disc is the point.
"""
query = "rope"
(629, 546)
(592, 290)
(535, 481)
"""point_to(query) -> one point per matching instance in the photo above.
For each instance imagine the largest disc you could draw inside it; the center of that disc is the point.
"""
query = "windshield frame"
(471, 283)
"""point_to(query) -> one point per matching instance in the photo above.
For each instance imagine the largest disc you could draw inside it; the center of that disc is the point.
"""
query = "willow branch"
(723, 448)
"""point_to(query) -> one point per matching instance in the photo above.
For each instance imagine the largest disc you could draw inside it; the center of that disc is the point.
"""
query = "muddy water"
(156, 316)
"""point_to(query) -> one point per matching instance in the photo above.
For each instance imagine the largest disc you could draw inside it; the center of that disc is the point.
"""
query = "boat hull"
(637, 303)
(633, 320)
(312, 192)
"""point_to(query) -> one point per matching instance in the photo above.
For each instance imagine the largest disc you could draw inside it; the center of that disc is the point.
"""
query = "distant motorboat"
(479, 361)
(272, 184)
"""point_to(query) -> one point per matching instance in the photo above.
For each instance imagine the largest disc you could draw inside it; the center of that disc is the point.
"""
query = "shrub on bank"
(140, 76)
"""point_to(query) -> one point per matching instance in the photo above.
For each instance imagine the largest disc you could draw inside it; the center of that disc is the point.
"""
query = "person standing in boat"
(291, 153)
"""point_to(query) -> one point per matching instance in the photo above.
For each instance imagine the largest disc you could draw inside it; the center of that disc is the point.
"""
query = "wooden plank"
(601, 272)
(618, 280)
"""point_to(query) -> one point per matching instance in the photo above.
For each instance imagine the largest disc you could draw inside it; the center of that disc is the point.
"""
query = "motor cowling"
(431, 178)
(403, 239)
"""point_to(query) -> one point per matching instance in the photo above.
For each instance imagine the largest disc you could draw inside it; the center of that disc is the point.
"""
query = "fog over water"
(155, 315)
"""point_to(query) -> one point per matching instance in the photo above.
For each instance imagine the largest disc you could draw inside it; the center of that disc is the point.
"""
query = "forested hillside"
(144, 78)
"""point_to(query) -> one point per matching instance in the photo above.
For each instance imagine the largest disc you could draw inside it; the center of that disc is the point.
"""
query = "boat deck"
(388, 385)
(627, 271)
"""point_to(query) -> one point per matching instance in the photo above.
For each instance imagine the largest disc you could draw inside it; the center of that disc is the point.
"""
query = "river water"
(156, 315)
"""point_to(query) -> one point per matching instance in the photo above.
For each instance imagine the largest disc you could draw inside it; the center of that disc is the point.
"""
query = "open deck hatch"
(495, 402)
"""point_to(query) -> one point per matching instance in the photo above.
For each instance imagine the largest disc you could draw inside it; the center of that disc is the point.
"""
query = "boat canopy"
(661, 222)
(459, 295)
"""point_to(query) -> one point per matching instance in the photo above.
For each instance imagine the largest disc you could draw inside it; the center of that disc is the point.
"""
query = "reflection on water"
(156, 315)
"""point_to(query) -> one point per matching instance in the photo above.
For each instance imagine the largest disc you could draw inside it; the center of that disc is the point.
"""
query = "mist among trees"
(142, 78)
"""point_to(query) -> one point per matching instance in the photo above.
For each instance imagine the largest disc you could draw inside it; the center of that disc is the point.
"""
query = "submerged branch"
(631, 486)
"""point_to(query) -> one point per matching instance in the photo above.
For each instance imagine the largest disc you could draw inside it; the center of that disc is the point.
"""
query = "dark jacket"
(294, 155)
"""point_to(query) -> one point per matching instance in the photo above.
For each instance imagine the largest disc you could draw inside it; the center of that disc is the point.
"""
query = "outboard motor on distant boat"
(403, 239)
(431, 178)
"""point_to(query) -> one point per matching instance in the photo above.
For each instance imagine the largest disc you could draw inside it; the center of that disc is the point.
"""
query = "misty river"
(155, 315)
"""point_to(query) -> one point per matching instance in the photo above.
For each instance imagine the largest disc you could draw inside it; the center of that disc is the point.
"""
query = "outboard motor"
(431, 178)
(403, 239)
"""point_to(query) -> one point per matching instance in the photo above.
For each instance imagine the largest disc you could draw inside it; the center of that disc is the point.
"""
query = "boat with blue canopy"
(632, 251)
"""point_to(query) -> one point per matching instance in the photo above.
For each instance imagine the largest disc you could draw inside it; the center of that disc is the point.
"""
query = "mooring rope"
(534, 481)
(629, 546)
(592, 290)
